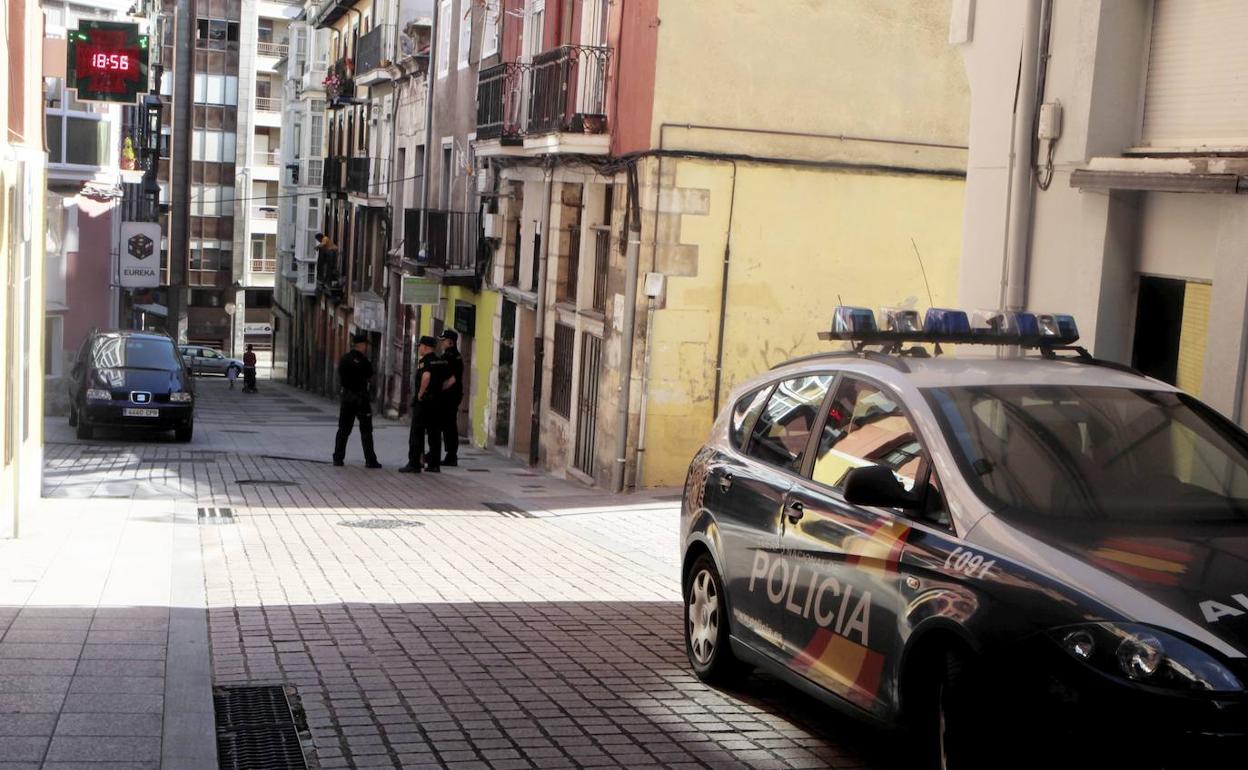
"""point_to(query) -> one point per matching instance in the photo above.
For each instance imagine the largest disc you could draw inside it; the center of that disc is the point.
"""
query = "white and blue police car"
(1030, 551)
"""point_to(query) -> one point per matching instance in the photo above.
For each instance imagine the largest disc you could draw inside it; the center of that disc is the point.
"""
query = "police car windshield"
(1062, 453)
(133, 353)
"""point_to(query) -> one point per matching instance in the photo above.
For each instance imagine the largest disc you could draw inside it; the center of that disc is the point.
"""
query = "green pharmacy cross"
(107, 61)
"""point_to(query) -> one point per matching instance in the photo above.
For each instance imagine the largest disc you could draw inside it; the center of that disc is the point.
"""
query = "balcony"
(455, 243)
(339, 82)
(266, 158)
(562, 91)
(275, 50)
(334, 177)
(268, 104)
(374, 51)
(368, 176)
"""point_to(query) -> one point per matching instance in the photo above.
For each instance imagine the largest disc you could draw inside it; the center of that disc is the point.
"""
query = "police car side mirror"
(877, 487)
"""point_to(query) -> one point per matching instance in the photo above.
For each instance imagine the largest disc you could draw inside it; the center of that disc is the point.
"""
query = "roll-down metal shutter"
(1196, 93)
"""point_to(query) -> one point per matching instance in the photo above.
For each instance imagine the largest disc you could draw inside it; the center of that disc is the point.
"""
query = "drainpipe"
(632, 254)
(424, 178)
(1019, 200)
(539, 326)
(645, 394)
(723, 298)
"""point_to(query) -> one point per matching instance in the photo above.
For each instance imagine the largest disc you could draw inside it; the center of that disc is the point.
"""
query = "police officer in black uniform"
(452, 394)
(430, 374)
(355, 373)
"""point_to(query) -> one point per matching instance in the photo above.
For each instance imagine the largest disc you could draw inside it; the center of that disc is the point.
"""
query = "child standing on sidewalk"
(232, 374)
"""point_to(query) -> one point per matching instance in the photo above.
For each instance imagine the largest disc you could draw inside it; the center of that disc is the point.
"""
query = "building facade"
(654, 244)
(1125, 206)
(23, 166)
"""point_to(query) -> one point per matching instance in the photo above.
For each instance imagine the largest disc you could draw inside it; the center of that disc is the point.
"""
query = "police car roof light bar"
(952, 327)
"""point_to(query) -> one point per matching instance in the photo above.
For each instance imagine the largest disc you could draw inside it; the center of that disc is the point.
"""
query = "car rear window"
(134, 353)
(744, 413)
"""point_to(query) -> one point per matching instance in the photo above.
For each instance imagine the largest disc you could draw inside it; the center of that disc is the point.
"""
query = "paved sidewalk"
(487, 617)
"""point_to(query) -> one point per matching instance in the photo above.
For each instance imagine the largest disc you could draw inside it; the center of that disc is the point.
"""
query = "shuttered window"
(561, 385)
(1196, 93)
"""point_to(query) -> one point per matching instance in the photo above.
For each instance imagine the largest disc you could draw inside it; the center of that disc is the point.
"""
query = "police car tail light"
(1146, 655)
(852, 320)
(946, 321)
(1058, 327)
(1004, 323)
(892, 319)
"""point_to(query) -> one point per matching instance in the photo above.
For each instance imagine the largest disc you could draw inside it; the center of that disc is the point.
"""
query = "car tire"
(706, 625)
(944, 724)
(184, 433)
(84, 431)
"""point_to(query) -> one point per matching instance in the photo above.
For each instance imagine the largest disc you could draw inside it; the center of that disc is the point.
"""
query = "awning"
(154, 309)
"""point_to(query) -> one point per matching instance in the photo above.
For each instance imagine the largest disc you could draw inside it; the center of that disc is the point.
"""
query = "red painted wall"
(88, 271)
(635, 39)
(513, 24)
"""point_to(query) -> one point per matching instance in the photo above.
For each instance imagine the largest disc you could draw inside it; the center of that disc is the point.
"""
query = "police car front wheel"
(706, 625)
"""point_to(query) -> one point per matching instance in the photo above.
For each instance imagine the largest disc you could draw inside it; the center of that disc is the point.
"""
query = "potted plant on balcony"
(127, 154)
(338, 81)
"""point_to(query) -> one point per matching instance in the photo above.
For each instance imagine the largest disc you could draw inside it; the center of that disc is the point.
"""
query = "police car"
(1041, 553)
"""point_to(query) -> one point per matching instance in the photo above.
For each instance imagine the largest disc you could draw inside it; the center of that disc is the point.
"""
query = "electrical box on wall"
(654, 285)
(1049, 124)
(492, 225)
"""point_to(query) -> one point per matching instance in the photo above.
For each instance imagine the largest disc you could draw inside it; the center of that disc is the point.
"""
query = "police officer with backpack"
(452, 395)
(430, 375)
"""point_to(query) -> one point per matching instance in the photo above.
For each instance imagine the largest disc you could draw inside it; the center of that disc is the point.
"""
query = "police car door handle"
(795, 510)
(725, 482)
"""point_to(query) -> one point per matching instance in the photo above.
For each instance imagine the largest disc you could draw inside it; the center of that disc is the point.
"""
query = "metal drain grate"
(256, 729)
(380, 524)
(509, 510)
(266, 482)
(216, 515)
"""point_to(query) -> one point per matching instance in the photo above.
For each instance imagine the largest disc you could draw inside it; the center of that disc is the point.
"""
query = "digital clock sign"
(107, 61)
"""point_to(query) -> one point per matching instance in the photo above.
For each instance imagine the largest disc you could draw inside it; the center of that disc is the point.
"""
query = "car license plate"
(141, 412)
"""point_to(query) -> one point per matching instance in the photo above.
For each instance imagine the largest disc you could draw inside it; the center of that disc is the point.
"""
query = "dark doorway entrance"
(1159, 327)
(506, 360)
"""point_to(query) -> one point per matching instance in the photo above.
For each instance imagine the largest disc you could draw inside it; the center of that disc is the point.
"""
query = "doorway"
(506, 363)
(1171, 329)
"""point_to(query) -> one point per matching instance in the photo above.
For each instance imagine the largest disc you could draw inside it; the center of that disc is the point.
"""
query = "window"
(213, 146)
(444, 38)
(465, 36)
(316, 134)
(865, 426)
(216, 89)
(77, 133)
(744, 413)
(313, 224)
(216, 34)
(490, 32)
(210, 255)
(783, 428)
(212, 200)
(561, 377)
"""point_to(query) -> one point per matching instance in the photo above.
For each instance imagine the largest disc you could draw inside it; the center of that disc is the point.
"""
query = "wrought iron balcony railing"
(375, 49)
(454, 239)
(368, 176)
(563, 89)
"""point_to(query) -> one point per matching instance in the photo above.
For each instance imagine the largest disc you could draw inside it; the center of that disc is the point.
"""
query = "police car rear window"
(743, 415)
(1069, 453)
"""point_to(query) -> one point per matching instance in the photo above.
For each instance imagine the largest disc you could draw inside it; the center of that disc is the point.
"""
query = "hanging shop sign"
(140, 255)
(418, 290)
(107, 61)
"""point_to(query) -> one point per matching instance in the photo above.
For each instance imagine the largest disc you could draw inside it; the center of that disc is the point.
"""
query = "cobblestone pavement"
(484, 618)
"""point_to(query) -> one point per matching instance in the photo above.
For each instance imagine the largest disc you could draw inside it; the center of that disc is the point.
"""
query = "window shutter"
(1196, 95)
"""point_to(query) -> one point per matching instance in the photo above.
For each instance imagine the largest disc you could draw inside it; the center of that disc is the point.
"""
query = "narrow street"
(487, 617)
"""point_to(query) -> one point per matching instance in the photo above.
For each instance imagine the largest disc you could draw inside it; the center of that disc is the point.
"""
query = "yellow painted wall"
(800, 238)
(868, 68)
(1195, 332)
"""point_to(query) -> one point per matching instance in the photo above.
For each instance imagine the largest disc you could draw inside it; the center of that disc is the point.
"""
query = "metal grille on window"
(561, 389)
(587, 403)
(602, 261)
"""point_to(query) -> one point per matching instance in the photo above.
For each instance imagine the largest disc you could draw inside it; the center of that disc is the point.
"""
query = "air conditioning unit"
(492, 226)
(485, 180)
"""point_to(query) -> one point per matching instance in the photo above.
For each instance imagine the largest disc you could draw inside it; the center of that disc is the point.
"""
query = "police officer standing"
(430, 374)
(452, 394)
(355, 373)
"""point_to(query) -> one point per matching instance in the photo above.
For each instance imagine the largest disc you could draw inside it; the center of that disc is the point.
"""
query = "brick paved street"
(418, 624)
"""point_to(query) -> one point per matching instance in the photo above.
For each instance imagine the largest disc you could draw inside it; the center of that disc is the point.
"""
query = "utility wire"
(195, 199)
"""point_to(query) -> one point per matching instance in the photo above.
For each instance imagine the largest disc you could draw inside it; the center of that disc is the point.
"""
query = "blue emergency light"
(951, 326)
